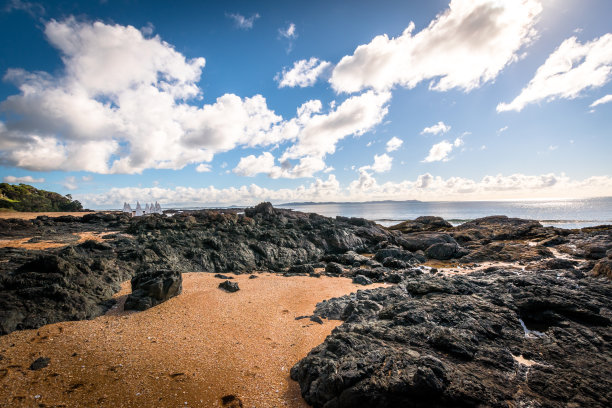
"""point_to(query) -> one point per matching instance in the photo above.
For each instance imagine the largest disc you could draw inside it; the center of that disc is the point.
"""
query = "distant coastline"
(348, 202)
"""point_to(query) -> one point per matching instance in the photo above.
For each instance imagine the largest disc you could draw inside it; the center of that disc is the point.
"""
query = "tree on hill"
(24, 197)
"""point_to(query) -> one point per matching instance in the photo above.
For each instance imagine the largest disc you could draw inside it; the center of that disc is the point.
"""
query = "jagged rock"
(153, 287)
(334, 268)
(442, 251)
(301, 269)
(362, 280)
(603, 268)
(229, 286)
(425, 223)
(441, 341)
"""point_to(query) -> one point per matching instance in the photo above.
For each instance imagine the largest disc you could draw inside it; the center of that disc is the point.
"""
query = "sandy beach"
(32, 215)
(190, 351)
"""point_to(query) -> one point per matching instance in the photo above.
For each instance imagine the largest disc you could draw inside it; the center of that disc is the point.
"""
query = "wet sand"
(32, 215)
(188, 352)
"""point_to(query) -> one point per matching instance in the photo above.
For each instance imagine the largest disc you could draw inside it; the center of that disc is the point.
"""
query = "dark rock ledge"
(459, 340)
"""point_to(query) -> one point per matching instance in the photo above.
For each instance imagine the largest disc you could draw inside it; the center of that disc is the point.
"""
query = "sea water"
(577, 213)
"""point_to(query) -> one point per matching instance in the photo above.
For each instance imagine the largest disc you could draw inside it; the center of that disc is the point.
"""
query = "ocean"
(577, 213)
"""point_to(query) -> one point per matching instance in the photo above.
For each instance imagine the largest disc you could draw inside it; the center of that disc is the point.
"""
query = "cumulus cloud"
(602, 100)
(570, 69)
(382, 163)
(393, 144)
(366, 187)
(304, 73)
(319, 133)
(464, 47)
(23, 179)
(440, 151)
(439, 127)
(243, 22)
(120, 106)
(251, 165)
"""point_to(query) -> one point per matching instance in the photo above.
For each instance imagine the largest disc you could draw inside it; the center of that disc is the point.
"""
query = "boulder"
(425, 223)
(441, 251)
(229, 286)
(153, 287)
(362, 280)
(334, 268)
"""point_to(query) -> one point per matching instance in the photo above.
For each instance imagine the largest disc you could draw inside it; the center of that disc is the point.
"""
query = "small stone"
(40, 362)
(221, 276)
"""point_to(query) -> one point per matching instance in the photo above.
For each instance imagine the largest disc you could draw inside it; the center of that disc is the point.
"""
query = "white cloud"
(252, 165)
(439, 127)
(24, 179)
(319, 133)
(551, 147)
(242, 21)
(467, 45)
(382, 163)
(394, 143)
(33, 9)
(440, 151)
(570, 69)
(501, 130)
(602, 100)
(304, 73)
(366, 187)
(289, 32)
(120, 107)
(203, 168)
(70, 183)
(86, 178)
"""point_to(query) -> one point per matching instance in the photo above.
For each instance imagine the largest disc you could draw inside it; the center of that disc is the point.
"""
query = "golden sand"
(46, 244)
(32, 215)
(187, 352)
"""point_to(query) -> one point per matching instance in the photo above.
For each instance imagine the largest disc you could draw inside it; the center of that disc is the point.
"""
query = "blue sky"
(237, 102)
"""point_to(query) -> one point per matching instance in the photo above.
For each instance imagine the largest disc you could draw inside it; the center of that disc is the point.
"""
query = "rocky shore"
(495, 312)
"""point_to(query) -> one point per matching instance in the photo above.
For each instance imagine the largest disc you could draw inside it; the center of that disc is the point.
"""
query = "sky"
(203, 103)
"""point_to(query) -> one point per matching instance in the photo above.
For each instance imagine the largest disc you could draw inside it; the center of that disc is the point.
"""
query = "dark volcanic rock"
(40, 363)
(442, 341)
(229, 286)
(301, 269)
(426, 223)
(362, 280)
(603, 268)
(153, 287)
(221, 276)
(334, 268)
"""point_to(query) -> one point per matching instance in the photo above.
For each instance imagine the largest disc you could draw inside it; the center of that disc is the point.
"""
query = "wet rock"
(40, 363)
(153, 287)
(229, 286)
(362, 280)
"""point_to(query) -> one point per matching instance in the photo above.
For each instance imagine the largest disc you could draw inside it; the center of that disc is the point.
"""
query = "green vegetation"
(23, 197)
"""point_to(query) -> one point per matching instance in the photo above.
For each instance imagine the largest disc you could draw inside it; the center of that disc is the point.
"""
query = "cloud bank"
(366, 187)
